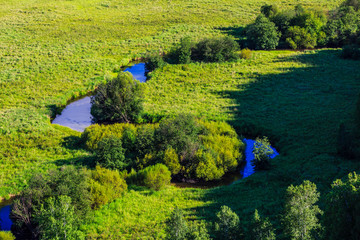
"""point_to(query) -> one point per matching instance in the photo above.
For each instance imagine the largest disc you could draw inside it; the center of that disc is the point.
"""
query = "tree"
(105, 186)
(155, 177)
(301, 213)
(154, 61)
(269, 10)
(227, 225)
(342, 212)
(261, 229)
(176, 226)
(262, 34)
(198, 231)
(262, 151)
(119, 100)
(171, 160)
(110, 153)
(57, 219)
(299, 38)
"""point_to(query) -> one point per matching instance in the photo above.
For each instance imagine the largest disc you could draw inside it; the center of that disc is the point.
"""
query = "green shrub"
(269, 10)
(153, 62)
(6, 236)
(215, 50)
(262, 151)
(105, 186)
(261, 229)
(245, 53)
(155, 177)
(119, 100)
(176, 226)
(182, 53)
(341, 218)
(262, 34)
(299, 38)
(227, 225)
(67, 181)
(351, 52)
(110, 153)
(171, 160)
(198, 231)
(57, 219)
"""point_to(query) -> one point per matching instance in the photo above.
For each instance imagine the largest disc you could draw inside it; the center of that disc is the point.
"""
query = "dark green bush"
(153, 62)
(262, 151)
(176, 226)
(215, 50)
(110, 153)
(262, 34)
(119, 100)
(155, 177)
(66, 181)
(105, 186)
(227, 225)
(269, 10)
(181, 54)
(351, 52)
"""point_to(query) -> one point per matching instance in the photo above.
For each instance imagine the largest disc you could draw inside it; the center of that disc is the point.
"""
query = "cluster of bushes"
(54, 204)
(189, 148)
(301, 219)
(300, 28)
(207, 50)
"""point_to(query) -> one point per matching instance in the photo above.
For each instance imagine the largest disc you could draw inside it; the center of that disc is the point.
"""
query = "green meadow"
(54, 51)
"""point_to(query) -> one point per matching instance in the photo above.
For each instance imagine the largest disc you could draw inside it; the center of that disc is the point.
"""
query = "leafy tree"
(198, 231)
(110, 153)
(57, 219)
(105, 186)
(343, 27)
(342, 213)
(262, 34)
(155, 177)
(153, 62)
(215, 50)
(176, 226)
(299, 38)
(261, 229)
(182, 53)
(171, 160)
(227, 225)
(119, 100)
(66, 181)
(269, 10)
(301, 213)
(262, 152)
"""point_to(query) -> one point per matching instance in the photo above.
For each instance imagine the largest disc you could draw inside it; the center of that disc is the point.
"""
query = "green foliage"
(6, 236)
(171, 160)
(57, 219)
(176, 226)
(299, 38)
(301, 213)
(110, 153)
(262, 34)
(119, 100)
(343, 27)
(183, 52)
(155, 177)
(269, 10)
(353, 3)
(245, 53)
(261, 229)
(154, 61)
(198, 231)
(351, 52)
(105, 186)
(342, 209)
(262, 151)
(215, 50)
(227, 225)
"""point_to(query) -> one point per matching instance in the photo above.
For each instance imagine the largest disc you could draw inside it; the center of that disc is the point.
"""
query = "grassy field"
(53, 51)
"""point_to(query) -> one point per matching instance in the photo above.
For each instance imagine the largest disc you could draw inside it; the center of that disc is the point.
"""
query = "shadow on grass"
(299, 108)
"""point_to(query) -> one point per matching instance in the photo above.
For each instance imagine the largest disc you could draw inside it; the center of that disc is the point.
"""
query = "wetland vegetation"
(206, 92)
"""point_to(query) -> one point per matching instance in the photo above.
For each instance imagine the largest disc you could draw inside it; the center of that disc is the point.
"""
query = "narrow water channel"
(5, 221)
(77, 114)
